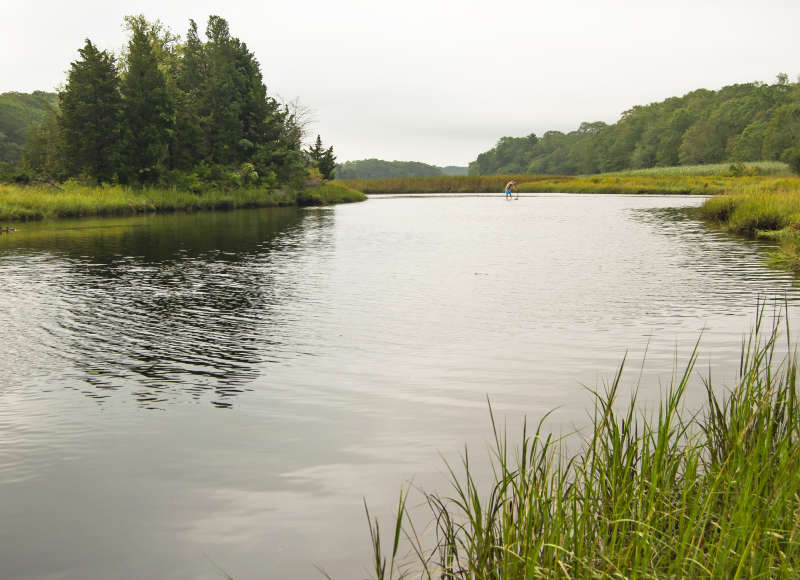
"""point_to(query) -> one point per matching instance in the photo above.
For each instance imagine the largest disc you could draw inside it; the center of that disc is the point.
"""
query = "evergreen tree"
(321, 158)
(190, 145)
(327, 164)
(220, 103)
(316, 152)
(148, 110)
(90, 115)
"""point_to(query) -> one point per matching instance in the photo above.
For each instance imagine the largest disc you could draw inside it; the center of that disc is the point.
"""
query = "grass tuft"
(666, 494)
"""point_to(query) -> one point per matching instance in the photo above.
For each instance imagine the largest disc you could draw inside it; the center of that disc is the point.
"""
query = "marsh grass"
(668, 183)
(660, 494)
(769, 209)
(444, 184)
(24, 203)
(729, 169)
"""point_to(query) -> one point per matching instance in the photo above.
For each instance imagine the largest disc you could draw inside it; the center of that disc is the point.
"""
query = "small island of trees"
(191, 116)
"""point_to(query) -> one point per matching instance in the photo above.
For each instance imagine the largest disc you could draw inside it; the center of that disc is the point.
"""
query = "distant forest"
(380, 169)
(19, 113)
(163, 111)
(743, 122)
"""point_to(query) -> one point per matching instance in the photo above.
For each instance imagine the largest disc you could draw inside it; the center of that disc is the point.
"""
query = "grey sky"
(439, 81)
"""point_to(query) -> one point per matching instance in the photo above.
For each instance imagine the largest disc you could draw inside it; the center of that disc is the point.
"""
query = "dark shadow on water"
(168, 306)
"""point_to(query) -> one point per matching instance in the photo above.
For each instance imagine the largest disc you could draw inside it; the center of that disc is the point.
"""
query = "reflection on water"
(349, 347)
(160, 306)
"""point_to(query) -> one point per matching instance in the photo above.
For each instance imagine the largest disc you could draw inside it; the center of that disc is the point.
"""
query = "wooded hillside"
(743, 122)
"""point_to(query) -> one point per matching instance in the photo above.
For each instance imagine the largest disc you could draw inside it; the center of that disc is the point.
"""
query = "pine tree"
(148, 110)
(190, 145)
(90, 115)
(327, 164)
(316, 152)
(220, 103)
(323, 159)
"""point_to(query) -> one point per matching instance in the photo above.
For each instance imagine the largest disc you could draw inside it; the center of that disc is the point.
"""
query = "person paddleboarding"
(509, 186)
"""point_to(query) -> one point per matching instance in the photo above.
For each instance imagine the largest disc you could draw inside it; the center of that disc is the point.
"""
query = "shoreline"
(33, 203)
(608, 183)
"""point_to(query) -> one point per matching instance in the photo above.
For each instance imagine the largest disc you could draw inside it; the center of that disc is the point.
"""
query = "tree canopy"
(166, 111)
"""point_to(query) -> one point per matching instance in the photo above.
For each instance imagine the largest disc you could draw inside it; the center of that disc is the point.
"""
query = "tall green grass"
(660, 494)
(653, 183)
(767, 209)
(23, 203)
(443, 184)
(730, 169)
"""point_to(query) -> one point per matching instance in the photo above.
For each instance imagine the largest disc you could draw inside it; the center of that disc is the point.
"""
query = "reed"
(665, 494)
(650, 183)
(768, 209)
(744, 168)
(443, 184)
(23, 203)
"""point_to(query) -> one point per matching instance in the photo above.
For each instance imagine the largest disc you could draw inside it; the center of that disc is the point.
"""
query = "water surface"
(182, 394)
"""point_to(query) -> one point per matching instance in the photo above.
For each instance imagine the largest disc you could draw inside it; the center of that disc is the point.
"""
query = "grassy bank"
(657, 493)
(440, 184)
(652, 183)
(729, 169)
(769, 209)
(23, 203)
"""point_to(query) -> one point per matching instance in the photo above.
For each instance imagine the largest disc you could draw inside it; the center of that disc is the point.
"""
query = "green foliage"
(380, 169)
(735, 169)
(643, 493)
(77, 198)
(792, 158)
(328, 193)
(443, 183)
(327, 165)
(90, 119)
(323, 159)
(745, 122)
(43, 153)
(19, 113)
(453, 170)
(171, 114)
(147, 108)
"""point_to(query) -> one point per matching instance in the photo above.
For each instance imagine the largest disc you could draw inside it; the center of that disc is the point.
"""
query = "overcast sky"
(437, 81)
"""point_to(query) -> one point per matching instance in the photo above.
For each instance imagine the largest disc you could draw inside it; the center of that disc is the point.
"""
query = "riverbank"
(671, 494)
(769, 210)
(24, 203)
(652, 183)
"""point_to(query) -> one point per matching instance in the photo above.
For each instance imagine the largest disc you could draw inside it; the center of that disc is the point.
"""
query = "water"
(185, 394)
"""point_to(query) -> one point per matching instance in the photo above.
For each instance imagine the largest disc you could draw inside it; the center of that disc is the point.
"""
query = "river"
(182, 395)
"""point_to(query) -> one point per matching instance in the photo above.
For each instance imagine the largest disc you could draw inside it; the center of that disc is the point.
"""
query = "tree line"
(182, 113)
(19, 112)
(742, 122)
(381, 169)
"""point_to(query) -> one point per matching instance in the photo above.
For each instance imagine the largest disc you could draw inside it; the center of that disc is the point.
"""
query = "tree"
(323, 159)
(43, 152)
(147, 108)
(327, 164)
(316, 152)
(220, 103)
(190, 145)
(90, 115)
